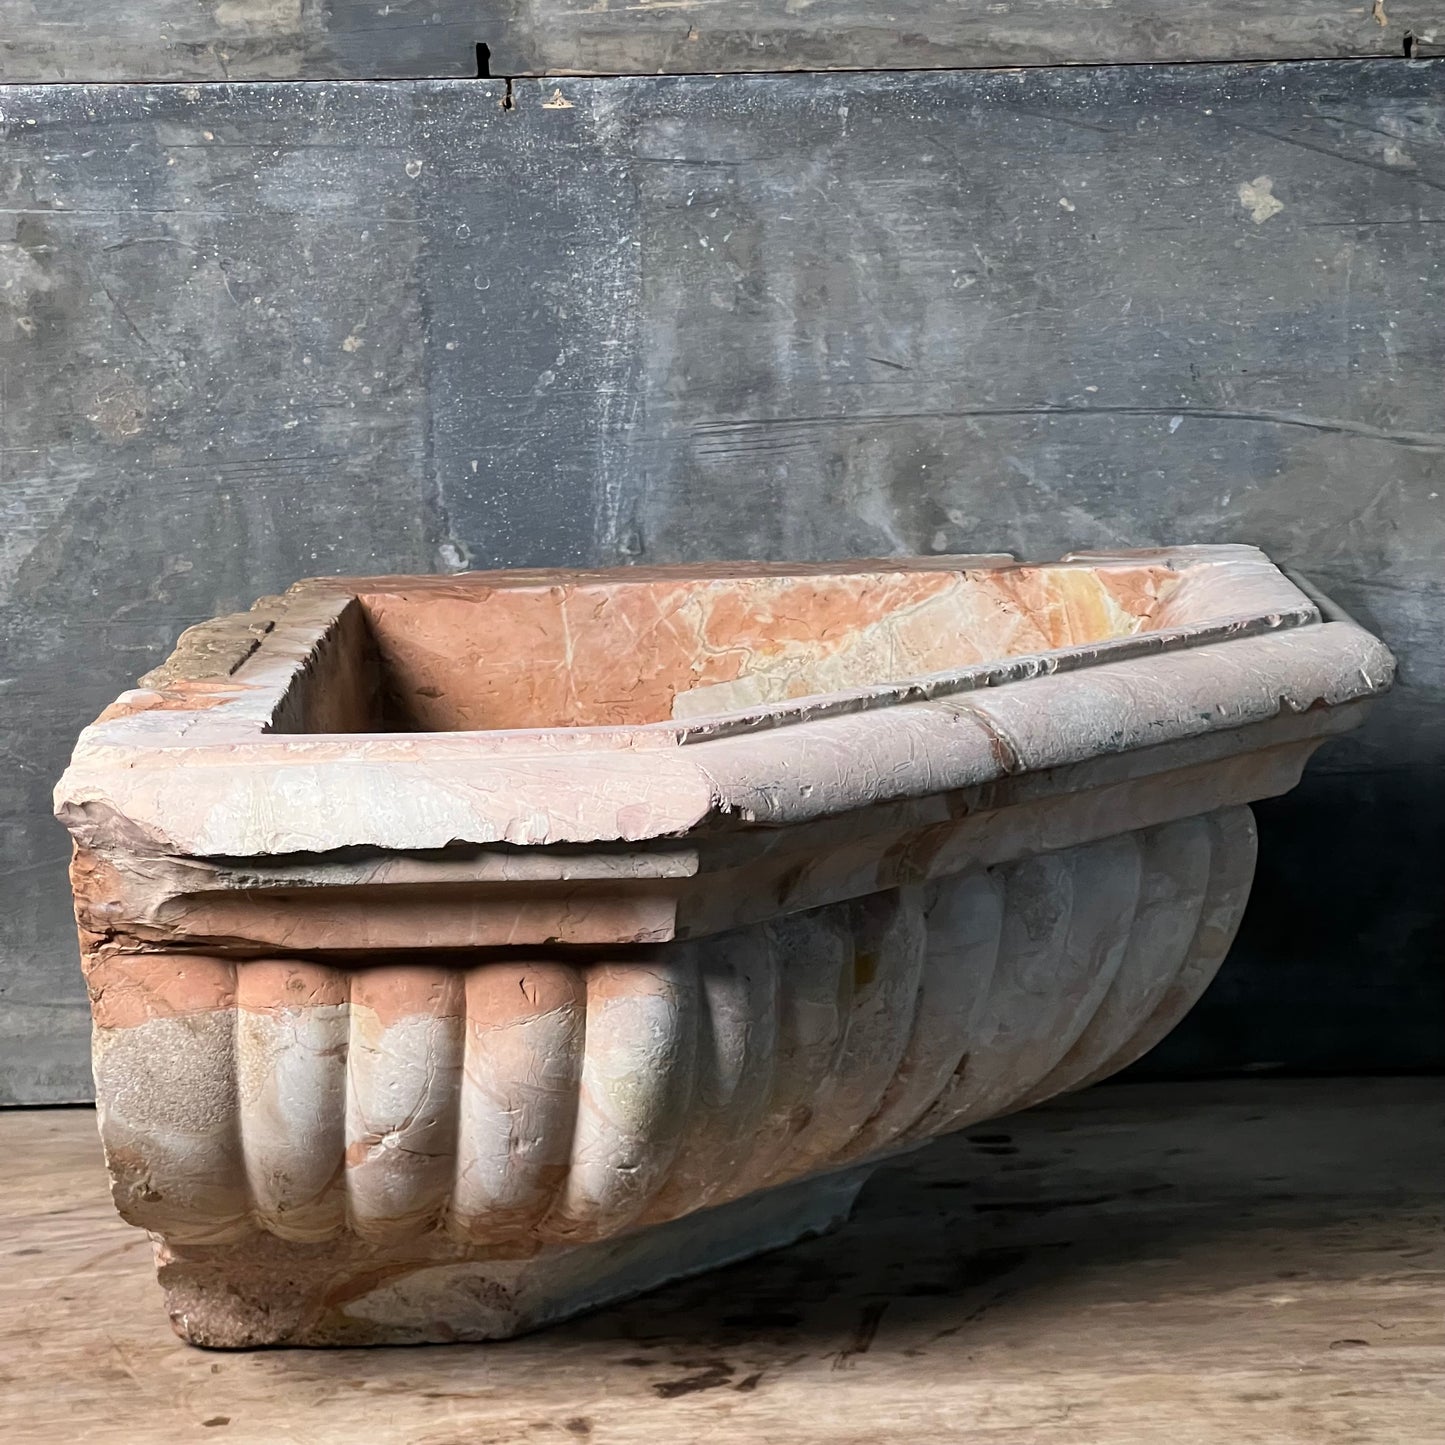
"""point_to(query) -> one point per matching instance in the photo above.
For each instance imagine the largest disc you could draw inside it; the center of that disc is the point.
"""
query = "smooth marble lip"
(202, 761)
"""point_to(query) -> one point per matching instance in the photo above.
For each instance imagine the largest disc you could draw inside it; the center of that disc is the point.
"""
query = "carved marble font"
(466, 952)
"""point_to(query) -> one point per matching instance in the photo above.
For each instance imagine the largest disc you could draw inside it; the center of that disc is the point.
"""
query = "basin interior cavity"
(531, 652)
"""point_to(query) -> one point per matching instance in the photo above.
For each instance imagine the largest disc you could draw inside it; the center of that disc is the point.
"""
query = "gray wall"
(255, 332)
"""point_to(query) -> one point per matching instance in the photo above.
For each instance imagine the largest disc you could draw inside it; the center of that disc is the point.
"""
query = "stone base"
(266, 1291)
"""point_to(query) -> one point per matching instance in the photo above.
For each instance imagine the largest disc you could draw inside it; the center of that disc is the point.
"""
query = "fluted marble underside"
(517, 1104)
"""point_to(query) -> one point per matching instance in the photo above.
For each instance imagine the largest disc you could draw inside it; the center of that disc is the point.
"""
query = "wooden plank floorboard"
(1242, 1262)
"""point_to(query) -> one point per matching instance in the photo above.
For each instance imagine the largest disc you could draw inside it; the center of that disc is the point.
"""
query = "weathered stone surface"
(466, 951)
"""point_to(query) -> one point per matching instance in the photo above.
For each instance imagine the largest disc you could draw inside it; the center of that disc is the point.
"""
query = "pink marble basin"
(465, 952)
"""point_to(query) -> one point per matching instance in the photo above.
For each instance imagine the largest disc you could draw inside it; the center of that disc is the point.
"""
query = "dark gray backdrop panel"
(128, 40)
(256, 332)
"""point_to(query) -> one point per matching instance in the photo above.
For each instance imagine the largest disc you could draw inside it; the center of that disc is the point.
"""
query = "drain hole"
(1409, 45)
(484, 61)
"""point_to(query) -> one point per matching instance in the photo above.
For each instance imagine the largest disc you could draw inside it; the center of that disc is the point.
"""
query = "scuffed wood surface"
(48, 40)
(255, 333)
(1204, 1263)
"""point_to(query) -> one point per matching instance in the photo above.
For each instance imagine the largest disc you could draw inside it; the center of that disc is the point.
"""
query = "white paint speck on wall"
(1258, 198)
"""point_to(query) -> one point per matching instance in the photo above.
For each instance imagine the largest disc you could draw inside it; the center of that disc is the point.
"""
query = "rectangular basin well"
(509, 652)
(468, 951)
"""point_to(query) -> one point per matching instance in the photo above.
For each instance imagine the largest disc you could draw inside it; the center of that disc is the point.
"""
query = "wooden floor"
(1232, 1263)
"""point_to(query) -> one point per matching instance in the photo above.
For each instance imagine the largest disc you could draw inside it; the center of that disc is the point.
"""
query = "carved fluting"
(523, 1046)
(514, 1104)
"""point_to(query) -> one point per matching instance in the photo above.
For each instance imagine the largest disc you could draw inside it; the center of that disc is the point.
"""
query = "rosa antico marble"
(465, 952)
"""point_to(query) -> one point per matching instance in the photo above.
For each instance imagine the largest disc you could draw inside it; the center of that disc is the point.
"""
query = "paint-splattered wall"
(254, 332)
